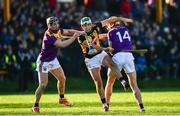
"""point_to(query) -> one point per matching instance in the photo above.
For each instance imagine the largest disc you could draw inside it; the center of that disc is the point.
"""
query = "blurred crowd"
(21, 37)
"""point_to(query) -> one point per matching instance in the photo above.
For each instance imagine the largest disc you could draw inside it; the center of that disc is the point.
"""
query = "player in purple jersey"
(120, 40)
(47, 61)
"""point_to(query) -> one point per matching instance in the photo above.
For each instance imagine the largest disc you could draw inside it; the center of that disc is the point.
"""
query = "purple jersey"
(120, 39)
(49, 50)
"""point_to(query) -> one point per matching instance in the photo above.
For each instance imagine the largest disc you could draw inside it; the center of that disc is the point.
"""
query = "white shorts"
(95, 61)
(45, 67)
(124, 60)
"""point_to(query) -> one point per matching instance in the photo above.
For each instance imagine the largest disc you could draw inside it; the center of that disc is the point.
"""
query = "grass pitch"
(122, 103)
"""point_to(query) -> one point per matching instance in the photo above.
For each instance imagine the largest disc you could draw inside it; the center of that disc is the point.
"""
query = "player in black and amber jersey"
(96, 56)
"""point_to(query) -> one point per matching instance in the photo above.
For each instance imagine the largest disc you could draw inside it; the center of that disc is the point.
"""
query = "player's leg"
(95, 74)
(109, 85)
(135, 89)
(61, 79)
(43, 81)
(107, 61)
(132, 77)
(58, 73)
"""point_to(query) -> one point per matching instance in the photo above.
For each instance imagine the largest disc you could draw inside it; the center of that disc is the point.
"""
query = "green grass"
(82, 84)
(122, 103)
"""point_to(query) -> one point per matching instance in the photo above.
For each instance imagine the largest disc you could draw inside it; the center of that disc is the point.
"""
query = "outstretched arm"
(111, 20)
(66, 43)
(103, 36)
(70, 32)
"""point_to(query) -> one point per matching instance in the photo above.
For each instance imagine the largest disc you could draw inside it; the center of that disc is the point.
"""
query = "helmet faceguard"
(51, 20)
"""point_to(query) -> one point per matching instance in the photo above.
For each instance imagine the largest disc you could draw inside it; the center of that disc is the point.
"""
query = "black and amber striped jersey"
(92, 37)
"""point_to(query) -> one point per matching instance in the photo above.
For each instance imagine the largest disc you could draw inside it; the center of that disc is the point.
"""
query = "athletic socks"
(61, 96)
(141, 107)
(36, 105)
(103, 100)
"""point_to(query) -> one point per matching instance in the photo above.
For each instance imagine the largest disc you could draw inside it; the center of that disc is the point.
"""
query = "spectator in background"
(6, 36)
(125, 8)
(141, 66)
(113, 6)
(52, 3)
(11, 63)
(25, 67)
(172, 63)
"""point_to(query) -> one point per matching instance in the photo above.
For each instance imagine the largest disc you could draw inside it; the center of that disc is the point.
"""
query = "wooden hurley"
(140, 51)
